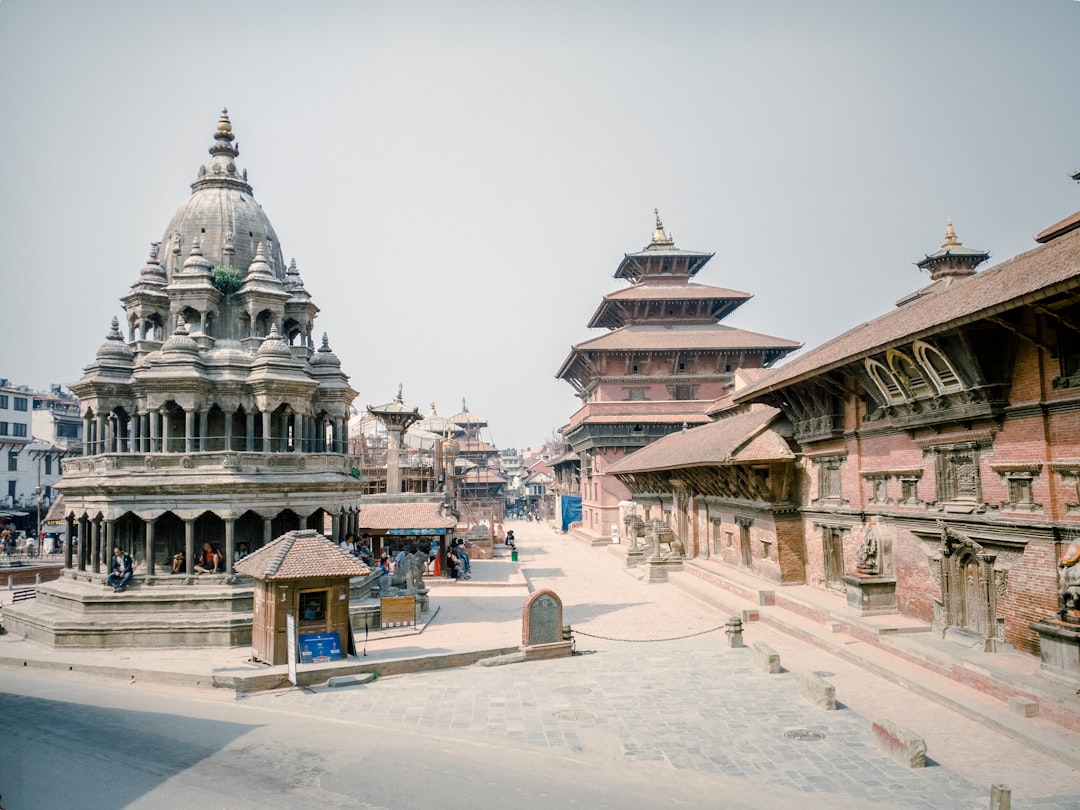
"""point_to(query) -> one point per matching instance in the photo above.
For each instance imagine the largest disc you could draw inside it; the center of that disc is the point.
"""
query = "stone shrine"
(210, 421)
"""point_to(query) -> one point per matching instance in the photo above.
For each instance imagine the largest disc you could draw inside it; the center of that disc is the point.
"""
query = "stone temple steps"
(81, 615)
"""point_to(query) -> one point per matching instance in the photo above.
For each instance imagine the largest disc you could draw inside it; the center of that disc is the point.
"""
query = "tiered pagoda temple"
(664, 360)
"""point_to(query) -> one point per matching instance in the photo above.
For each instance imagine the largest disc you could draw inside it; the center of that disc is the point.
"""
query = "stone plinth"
(659, 568)
(1059, 647)
(74, 614)
(870, 596)
(634, 557)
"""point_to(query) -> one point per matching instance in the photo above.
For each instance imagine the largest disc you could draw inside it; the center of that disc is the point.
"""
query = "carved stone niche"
(871, 590)
(972, 579)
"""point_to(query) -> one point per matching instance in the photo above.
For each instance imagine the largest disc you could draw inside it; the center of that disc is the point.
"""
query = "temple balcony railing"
(214, 461)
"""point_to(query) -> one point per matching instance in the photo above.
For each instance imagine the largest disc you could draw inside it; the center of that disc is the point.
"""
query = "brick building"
(934, 451)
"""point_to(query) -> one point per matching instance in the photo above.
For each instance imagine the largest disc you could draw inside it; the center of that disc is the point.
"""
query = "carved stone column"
(230, 544)
(149, 524)
(189, 546)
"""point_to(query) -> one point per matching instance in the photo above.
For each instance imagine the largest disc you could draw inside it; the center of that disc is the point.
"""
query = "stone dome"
(325, 355)
(222, 214)
(274, 345)
(114, 348)
(180, 341)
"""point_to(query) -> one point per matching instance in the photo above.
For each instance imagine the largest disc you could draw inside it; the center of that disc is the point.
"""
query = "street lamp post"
(37, 497)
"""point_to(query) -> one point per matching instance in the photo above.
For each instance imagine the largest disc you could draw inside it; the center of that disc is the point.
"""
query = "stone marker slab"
(542, 627)
(766, 658)
(350, 680)
(818, 691)
(903, 745)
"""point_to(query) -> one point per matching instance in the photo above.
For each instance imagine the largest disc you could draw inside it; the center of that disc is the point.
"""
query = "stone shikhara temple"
(215, 419)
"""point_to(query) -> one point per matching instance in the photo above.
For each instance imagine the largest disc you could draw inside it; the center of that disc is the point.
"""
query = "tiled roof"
(1038, 274)
(301, 555)
(641, 337)
(476, 447)
(717, 443)
(404, 516)
(478, 475)
(1070, 223)
(663, 292)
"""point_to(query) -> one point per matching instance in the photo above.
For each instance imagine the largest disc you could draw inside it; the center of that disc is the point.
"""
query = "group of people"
(358, 548)
(458, 565)
(209, 561)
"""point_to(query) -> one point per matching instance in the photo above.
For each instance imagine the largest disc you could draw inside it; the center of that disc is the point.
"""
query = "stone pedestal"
(634, 557)
(1059, 648)
(658, 568)
(870, 596)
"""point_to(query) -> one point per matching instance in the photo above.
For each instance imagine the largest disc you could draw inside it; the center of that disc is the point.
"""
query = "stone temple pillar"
(189, 546)
(150, 545)
(393, 460)
(95, 545)
(230, 544)
(70, 522)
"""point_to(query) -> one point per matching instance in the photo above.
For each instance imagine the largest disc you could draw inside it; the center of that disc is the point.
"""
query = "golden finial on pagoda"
(950, 236)
(223, 124)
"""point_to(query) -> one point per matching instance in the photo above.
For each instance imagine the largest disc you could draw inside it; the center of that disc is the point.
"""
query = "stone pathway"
(695, 703)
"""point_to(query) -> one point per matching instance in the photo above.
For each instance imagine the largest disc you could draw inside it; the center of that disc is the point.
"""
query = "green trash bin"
(513, 555)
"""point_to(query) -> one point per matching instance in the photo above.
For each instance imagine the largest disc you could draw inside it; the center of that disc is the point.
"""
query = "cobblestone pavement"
(694, 703)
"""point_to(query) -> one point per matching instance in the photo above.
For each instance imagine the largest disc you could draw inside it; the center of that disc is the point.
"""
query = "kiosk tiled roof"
(301, 555)
(404, 516)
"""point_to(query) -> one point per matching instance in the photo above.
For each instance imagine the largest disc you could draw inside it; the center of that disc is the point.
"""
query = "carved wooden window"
(909, 373)
(886, 382)
(937, 366)
(682, 392)
(829, 478)
(909, 489)
(1020, 482)
(958, 475)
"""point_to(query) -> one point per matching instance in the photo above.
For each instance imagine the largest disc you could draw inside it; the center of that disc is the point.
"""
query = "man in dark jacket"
(120, 570)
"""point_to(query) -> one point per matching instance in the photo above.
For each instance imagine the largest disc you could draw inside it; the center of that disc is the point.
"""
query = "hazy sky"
(459, 180)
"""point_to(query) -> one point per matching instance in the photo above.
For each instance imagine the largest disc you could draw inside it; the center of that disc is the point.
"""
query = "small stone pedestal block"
(1059, 647)
(766, 658)
(734, 632)
(904, 746)
(634, 557)
(818, 691)
(542, 628)
(659, 568)
(870, 596)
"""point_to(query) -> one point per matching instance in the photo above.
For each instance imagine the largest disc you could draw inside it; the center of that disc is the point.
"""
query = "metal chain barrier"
(650, 640)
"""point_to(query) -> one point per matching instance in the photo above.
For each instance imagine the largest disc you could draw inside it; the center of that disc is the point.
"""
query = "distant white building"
(36, 430)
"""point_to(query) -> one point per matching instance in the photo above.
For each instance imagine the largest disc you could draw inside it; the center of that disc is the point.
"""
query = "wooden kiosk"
(304, 574)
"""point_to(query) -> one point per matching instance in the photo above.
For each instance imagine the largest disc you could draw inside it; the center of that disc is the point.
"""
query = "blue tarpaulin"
(570, 507)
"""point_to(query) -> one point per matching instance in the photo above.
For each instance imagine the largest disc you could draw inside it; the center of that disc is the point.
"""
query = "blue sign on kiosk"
(317, 648)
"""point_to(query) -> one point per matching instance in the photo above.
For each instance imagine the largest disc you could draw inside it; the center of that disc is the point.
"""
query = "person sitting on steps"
(179, 561)
(209, 560)
(120, 570)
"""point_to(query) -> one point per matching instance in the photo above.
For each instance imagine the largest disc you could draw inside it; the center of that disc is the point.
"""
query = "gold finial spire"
(950, 236)
(659, 237)
(223, 124)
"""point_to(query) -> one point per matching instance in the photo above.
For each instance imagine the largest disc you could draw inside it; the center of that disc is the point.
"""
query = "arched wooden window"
(886, 381)
(940, 370)
(909, 373)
